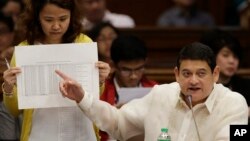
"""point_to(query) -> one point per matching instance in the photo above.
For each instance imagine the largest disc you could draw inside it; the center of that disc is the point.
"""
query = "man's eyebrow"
(202, 69)
(185, 70)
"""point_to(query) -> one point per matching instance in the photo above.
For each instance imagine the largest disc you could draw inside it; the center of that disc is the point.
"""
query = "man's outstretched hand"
(70, 88)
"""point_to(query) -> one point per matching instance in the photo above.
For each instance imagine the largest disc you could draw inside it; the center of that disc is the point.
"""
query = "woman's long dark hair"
(29, 25)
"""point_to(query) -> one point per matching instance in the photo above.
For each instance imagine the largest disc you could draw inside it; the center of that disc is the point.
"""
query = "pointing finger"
(62, 75)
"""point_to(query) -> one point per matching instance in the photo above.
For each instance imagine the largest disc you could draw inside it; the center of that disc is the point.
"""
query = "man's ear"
(216, 73)
(176, 73)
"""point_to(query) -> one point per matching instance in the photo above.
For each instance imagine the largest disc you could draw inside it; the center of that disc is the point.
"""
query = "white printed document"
(128, 94)
(38, 84)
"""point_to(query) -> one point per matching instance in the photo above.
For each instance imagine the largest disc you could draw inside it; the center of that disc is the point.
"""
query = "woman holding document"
(50, 22)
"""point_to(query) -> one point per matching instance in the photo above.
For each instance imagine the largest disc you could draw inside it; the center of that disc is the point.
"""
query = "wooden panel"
(165, 43)
(144, 12)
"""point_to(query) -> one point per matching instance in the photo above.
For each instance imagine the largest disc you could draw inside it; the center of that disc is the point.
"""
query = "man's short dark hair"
(197, 51)
(128, 48)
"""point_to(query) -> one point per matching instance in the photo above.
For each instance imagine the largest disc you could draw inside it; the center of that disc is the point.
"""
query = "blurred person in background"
(95, 11)
(9, 125)
(6, 34)
(104, 33)
(233, 11)
(13, 8)
(228, 53)
(185, 13)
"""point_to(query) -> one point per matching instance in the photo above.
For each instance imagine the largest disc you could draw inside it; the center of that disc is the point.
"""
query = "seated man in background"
(95, 11)
(185, 13)
(129, 57)
(192, 108)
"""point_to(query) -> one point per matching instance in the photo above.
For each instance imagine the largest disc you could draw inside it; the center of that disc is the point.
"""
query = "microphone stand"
(189, 99)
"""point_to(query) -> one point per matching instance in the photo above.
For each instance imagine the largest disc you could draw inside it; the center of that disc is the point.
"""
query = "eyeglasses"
(128, 72)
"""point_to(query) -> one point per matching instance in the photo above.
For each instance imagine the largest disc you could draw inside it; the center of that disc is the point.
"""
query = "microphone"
(189, 99)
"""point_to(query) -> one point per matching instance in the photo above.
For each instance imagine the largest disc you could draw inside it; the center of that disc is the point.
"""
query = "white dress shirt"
(163, 107)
